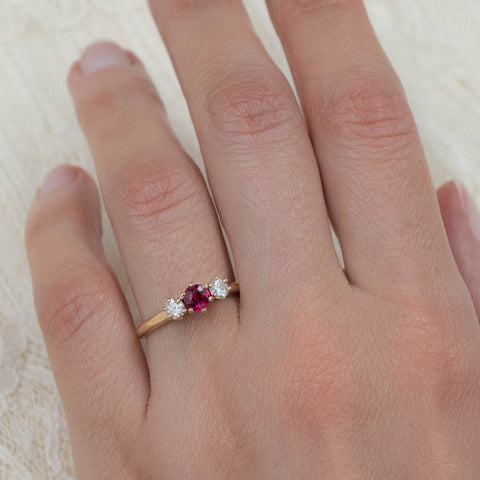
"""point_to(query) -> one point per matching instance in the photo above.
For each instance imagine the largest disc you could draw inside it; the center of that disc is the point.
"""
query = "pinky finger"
(97, 361)
(461, 218)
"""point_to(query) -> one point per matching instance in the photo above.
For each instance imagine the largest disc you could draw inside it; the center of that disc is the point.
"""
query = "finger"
(257, 152)
(164, 221)
(378, 189)
(462, 223)
(98, 363)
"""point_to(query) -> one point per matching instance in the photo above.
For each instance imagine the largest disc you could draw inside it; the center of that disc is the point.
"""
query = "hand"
(313, 372)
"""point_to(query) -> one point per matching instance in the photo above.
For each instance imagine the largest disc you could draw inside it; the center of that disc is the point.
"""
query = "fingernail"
(470, 208)
(102, 55)
(58, 177)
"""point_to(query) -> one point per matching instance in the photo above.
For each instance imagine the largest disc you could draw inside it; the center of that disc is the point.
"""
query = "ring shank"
(162, 318)
(153, 323)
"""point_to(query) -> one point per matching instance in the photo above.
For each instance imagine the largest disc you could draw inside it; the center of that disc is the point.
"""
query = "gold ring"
(196, 298)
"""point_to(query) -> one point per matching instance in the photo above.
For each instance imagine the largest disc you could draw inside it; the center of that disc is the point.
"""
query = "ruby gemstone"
(196, 297)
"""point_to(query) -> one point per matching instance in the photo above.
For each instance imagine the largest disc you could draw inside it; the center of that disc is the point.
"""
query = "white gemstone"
(175, 309)
(218, 288)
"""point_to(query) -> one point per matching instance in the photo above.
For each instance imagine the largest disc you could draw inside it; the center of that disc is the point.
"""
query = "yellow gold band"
(163, 317)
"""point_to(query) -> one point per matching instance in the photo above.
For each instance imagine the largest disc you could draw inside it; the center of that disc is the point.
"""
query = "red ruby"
(196, 297)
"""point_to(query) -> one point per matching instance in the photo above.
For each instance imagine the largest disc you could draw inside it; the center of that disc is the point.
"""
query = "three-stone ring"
(196, 298)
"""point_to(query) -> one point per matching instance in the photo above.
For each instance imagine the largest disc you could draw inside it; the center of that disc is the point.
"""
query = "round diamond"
(175, 308)
(219, 288)
(196, 297)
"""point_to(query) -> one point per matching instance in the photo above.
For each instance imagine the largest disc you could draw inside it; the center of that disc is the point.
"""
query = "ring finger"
(164, 221)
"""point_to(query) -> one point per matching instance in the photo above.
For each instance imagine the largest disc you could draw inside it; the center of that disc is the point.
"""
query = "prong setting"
(196, 298)
(175, 308)
(219, 288)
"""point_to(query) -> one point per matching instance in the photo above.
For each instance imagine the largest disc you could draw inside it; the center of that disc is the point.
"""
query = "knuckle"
(323, 387)
(85, 296)
(441, 356)
(457, 379)
(368, 114)
(430, 343)
(156, 191)
(224, 448)
(252, 111)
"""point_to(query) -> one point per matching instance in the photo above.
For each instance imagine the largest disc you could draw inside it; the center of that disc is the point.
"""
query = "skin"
(315, 371)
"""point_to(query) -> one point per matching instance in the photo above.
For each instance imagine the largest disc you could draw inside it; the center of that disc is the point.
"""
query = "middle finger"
(258, 155)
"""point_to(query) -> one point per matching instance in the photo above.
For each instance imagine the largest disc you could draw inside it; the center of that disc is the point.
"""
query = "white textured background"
(434, 46)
